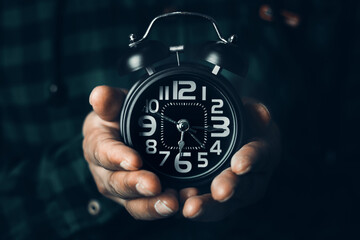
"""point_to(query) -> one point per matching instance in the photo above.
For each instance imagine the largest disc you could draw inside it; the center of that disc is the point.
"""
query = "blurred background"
(304, 64)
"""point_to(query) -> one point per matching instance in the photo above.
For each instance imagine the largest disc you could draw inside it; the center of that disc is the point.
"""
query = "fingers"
(107, 102)
(137, 191)
(223, 186)
(161, 206)
(263, 150)
(133, 184)
(205, 209)
(101, 143)
(252, 156)
(246, 190)
(187, 193)
(195, 205)
(259, 117)
(229, 191)
(245, 182)
(222, 189)
(125, 184)
(102, 147)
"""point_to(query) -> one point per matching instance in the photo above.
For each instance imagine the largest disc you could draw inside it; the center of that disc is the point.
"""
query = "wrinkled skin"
(116, 168)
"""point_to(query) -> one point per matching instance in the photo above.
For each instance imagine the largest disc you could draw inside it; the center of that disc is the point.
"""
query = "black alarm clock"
(184, 118)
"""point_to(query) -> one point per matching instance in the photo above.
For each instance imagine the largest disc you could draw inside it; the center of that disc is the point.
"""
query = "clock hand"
(197, 140)
(181, 143)
(208, 128)
(157, 114)
(164, 117)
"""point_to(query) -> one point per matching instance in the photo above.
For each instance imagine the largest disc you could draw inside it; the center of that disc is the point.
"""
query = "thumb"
(107, 102)
(258, 115)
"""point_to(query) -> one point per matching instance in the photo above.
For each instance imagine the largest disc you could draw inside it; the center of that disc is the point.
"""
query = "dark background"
(306, 73)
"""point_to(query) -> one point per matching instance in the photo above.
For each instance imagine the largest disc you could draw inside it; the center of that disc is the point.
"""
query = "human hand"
(115, 166)
(245, 182)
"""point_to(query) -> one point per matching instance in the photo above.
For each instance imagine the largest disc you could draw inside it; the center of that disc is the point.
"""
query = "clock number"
(151, 146)
(179, 162)
(178, 94)
(215, 148)
(164, 92)
(167, 154)
(203, 93)
(201, 157)
(175, 90)
(220, 104)
(147, 122)
(224, 125)
(152, 106)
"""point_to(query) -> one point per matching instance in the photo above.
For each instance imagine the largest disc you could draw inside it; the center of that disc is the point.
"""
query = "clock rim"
(217, 81)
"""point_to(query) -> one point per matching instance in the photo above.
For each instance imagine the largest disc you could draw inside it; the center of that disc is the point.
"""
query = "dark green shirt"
(53, 53)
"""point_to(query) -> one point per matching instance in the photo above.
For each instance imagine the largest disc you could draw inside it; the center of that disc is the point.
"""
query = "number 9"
(147, 122)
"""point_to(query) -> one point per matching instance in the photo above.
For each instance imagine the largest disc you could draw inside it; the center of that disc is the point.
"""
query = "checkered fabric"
(54, 52)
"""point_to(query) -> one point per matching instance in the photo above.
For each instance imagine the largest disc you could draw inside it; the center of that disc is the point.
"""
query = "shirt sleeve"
(51, 194)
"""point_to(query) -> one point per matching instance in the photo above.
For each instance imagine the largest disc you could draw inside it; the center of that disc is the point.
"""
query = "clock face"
(185, 124)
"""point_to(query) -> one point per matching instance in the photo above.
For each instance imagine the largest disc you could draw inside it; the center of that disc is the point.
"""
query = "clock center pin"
(183, 125)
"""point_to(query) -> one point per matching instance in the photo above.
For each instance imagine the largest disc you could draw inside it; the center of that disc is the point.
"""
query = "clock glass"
(185, 123)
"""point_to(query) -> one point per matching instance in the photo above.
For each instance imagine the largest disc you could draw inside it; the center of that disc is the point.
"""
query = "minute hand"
(208, 128)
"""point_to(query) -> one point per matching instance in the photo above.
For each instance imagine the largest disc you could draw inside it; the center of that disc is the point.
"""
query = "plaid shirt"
(46, 187)
(52, 54)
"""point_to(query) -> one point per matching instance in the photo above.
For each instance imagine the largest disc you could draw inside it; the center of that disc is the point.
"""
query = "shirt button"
(53, 88)
(58, 94)
(94, 207)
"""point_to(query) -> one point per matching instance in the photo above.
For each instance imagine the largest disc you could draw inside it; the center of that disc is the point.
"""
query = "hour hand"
(181, 143)
(157, 114)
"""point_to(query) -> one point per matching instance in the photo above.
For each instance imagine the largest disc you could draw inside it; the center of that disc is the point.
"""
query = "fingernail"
(144, 191)
(243, 171)
(162, 209)
(266, 110)
(224, 200)
(125, 165)
(196, 214)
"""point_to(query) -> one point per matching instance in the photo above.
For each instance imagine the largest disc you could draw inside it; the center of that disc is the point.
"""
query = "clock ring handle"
(133, 41)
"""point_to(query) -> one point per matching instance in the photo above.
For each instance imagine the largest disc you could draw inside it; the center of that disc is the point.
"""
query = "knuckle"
(115, 186)
(86, 156)
(96, 154)
(264, 112)
(126, 184)
(148, 214)
(85, 147)
(112, 152)
(146, 176)
(85, 152)
(91, 147)
(100, 151)
(121, 187)
(132, 211)
(102, 189)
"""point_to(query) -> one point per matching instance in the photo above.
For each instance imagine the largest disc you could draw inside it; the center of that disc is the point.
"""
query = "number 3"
(224, 125)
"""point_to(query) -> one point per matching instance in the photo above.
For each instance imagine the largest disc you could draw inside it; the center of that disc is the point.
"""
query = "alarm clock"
(183, 117)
